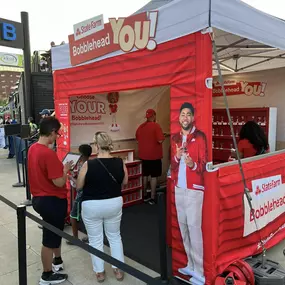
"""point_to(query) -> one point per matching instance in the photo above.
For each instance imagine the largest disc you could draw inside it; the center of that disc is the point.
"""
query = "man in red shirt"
(188, 164)
(150, 138)
(47, 177)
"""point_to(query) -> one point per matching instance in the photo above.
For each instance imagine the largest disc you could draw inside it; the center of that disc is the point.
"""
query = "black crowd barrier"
(22, 254)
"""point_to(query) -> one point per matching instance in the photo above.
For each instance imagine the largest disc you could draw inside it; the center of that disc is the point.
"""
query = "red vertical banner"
(62, 114)
(191, 112)
(63, 142)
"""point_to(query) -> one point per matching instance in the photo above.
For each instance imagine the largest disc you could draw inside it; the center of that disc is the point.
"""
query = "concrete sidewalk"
(77, 262)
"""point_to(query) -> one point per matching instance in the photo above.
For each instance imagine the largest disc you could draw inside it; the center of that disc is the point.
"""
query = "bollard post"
(28, 202)
(23, 168)
(28, 193)
(162, 236)
(22, 253)
(19, 183)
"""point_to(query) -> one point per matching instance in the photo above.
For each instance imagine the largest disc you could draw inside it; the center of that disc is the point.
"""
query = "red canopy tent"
(183, 61)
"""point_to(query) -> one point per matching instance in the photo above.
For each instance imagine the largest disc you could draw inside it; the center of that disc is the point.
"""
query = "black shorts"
(53, 210)
(152, 168)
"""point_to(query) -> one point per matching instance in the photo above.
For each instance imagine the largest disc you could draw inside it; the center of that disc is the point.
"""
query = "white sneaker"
(197, 280)
(186, 271)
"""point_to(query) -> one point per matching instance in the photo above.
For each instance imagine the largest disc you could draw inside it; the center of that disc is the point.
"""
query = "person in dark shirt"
(101, 180)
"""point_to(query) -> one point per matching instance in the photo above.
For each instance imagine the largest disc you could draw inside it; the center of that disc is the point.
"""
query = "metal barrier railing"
(22, 213)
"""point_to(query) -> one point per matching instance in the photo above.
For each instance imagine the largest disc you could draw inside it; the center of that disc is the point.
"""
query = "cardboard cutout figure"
(189, 150)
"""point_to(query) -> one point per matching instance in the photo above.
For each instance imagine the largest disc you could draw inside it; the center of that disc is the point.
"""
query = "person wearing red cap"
(150, 137)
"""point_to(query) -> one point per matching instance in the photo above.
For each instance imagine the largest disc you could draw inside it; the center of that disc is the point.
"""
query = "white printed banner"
(268, 203)
(88, 27)
(119, 114)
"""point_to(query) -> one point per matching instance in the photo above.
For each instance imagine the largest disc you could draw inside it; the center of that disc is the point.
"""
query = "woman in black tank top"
(101, 180)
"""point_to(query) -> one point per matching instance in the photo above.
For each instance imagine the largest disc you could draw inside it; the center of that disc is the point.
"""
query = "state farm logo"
(78, 32)
(257, 191)
(263, 185)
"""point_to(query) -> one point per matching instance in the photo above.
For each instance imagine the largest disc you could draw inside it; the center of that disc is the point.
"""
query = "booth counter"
(212, 224)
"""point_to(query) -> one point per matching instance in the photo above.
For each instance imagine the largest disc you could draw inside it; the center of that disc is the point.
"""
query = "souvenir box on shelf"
(221, 133)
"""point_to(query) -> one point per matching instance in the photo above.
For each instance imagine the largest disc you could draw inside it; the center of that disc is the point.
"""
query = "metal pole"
(20, 183)
(28, 202)
(22, 253)
(162, 236)
(23, 168)
(27, 67)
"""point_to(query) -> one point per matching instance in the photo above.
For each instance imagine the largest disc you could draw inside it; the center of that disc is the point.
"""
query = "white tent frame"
(248, 38)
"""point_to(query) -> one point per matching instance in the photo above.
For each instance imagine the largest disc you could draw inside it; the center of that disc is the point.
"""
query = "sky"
(53, 20)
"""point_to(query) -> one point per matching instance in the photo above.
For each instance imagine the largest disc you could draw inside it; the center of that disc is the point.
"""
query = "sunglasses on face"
(57, 133)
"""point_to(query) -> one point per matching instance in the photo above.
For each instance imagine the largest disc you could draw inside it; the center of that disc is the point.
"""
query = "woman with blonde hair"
(101, 180)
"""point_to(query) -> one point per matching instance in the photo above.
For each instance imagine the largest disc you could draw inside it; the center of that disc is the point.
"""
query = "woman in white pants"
(101, 180)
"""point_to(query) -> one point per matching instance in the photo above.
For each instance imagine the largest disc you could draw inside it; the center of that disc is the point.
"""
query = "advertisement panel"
(111, 112)
(9, 59)
(233, 87)
(268, 203)
(137, 31)
(63, 141)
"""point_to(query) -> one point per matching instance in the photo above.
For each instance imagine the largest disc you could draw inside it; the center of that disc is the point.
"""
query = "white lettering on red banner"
(233, 87)
(137, 31)
(63, 110)
(268, 202)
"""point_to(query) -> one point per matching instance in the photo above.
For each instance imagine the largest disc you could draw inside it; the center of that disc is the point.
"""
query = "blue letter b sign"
(8, 32)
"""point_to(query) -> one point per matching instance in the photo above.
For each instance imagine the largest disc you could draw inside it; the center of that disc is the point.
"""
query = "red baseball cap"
(149, 113)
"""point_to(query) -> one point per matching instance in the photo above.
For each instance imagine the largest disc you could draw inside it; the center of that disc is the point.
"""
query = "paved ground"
(77, 262)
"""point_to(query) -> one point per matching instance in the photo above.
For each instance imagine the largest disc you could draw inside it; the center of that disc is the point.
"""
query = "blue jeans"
(11, 146)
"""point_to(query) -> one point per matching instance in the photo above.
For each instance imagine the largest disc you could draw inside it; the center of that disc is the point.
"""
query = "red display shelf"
(130, 190)
(222, 139)
(132, 203)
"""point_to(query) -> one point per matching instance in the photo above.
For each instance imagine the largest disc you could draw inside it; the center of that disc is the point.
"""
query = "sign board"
(268, 203)
(11, 34)
(10, 59)
(137, 31)
(234, 87)
(111, 112)
(88, 27)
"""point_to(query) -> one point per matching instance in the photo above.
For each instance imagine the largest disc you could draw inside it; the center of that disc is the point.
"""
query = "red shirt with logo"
(196, 148)
(148, 135)
(43, 167)
(113, 108)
